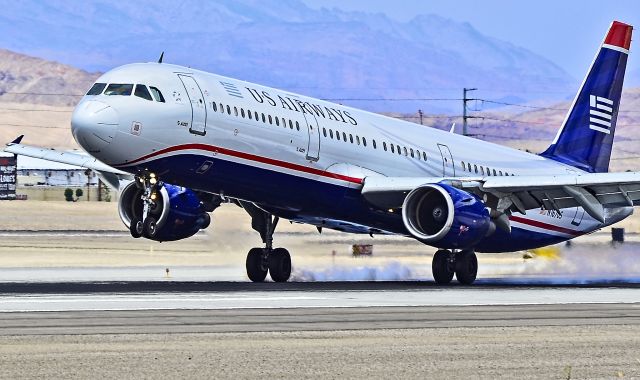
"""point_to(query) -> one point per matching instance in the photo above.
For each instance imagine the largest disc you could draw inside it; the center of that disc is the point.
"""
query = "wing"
(108, 174)
(592, 191)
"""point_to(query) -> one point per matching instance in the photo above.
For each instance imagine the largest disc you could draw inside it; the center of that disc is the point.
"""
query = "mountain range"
(324, 53)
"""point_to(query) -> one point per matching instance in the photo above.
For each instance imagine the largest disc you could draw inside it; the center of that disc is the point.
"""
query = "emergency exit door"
(448, 168)
(198, 124)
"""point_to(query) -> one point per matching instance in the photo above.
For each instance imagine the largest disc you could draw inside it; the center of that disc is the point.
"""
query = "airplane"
(179, 142)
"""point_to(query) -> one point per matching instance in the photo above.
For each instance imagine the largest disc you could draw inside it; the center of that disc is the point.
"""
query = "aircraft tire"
(280, 265)
(150, 227)
(206, 220)
(136, 228)
(255, 270)
(440, 267)
(466, 267)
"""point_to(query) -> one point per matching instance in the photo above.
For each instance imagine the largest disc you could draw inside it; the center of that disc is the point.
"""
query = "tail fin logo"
(600, 113)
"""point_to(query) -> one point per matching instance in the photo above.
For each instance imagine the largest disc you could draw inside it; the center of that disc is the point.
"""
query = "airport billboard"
(8, 173)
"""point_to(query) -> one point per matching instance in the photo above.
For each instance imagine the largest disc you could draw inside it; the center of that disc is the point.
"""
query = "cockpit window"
(97, 88)
(119, 89)
(142, 92)
(157, 95)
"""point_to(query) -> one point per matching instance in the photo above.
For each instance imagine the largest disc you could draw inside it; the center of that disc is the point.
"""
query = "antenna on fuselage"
(161, 56)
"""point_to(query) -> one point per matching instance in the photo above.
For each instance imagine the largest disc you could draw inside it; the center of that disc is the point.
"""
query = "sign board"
(8, 173)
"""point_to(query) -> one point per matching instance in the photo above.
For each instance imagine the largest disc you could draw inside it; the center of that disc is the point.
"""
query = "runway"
(231, 330)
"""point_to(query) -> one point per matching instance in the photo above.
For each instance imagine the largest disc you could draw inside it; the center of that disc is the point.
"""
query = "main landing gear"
(464, 264)
(276, 261)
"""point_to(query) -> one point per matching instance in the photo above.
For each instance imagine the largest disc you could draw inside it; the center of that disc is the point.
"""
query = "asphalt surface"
(312, 319)
(237, 330)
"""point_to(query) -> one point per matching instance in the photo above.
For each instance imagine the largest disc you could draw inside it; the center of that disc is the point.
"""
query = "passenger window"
(399, 150)
(290, 124)
(264, 118)
(242, 112)
(462, 164)
(96, 89)
(488, 172)
(331, 133)
(364, 141)
(494, 172)
(270, 120)
(417, 154)
(297, 125)
(406, 153)
(424, 155)
(411, 152)
(256, 116)
(475, 168)
(119, 89)
(344, 137)
(221, 108)
(469, 167)
(235, 110)
(482, 170)
(157, 95)
(358, 139)
(214, 106)
(500, 173)
(249, 114)
(277, 121)
(392, 149)
(374, 144)
(142, 92)
(351, 138)
(229, 110)
(337, 135)
(324, 132)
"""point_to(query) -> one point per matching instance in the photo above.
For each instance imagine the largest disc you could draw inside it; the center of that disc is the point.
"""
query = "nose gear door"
(198, 124)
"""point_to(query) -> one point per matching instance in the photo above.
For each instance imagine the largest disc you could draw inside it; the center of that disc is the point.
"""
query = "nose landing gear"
(464, 264)
(145, 224)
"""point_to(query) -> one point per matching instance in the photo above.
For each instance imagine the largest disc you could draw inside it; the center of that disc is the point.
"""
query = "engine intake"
(445, 217)
(177, 211)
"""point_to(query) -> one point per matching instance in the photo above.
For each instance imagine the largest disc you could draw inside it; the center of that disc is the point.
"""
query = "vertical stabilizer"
(586, 136)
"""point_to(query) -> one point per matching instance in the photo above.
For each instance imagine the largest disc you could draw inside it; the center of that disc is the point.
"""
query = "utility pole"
(420, 113)
(464, 109)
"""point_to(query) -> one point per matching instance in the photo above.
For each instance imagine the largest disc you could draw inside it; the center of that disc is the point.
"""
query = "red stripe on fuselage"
(545, 226)
(246, 156)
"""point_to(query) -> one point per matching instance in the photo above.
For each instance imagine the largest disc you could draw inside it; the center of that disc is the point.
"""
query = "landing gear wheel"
(136, 228)
(206, 220)
(256, 271)
(280, 265)
(466, 267)
(150, 227)
(442, 267)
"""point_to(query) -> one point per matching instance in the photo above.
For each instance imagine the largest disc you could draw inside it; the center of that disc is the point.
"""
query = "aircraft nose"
(93, 125)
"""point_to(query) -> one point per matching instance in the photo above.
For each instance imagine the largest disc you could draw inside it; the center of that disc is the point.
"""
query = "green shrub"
(68, 195)
(79, 193)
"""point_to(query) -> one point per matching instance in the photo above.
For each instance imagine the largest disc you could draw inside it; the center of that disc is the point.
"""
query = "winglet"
(17, 140)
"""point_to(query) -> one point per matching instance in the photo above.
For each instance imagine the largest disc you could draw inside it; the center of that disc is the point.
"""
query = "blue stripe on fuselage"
(303, 199)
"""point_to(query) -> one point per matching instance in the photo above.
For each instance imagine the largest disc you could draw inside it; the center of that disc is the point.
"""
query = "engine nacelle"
(445, 217)
(177, 211)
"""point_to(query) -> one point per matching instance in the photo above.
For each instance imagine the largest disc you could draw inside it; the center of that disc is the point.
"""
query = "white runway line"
(324, 299)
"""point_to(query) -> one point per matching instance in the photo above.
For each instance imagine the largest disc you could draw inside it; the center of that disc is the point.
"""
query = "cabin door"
(313, 149)
(198, 124)
(448, 168)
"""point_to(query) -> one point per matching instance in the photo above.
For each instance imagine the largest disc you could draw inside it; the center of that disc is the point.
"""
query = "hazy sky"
(565, 31)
